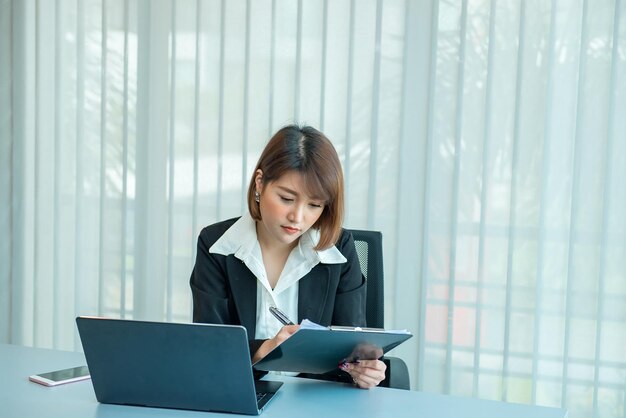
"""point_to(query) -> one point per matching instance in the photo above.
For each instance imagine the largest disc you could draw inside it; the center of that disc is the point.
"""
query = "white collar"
(240, 239)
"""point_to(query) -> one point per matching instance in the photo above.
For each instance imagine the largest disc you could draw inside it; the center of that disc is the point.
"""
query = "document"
(318, 349)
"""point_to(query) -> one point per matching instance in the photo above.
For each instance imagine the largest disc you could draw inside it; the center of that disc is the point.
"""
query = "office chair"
(369, 248)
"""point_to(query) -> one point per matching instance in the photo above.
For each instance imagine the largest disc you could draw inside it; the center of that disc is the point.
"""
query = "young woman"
(289, 251)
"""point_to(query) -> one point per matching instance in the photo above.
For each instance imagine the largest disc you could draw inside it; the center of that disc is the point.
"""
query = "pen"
(343, 364)
(280, 316)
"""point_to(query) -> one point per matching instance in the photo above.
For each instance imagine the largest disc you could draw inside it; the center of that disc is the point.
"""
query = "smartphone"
(59, 377)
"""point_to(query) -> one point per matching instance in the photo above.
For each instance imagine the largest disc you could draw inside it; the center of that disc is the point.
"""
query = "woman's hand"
(268, 345)
(365, 373)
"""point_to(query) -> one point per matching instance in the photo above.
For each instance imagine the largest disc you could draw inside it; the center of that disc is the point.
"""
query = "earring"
(257, 197)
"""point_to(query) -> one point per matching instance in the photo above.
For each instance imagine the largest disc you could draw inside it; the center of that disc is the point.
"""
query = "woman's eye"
(286, 199)
(316, 205)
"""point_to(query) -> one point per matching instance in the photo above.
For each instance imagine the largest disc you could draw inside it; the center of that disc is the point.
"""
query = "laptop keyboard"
(260, 396)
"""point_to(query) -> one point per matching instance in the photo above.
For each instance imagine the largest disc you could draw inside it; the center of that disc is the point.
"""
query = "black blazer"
(224, 289)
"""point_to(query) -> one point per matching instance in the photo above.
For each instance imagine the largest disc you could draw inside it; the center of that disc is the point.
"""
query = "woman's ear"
(258, 180)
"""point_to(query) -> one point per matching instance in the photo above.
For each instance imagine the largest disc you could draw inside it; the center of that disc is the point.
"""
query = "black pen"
(280, 316)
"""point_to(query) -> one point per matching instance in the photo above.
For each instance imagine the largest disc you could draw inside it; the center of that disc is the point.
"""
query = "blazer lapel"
(313, 293)
(243, 285)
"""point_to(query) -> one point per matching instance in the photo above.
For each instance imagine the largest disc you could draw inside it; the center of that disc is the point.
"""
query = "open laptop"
(172, 365)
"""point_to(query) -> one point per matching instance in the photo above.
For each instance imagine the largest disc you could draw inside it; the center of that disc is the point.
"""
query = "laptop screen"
(171, 365)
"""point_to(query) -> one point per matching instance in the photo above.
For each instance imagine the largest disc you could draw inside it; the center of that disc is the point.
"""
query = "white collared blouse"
(241, 240)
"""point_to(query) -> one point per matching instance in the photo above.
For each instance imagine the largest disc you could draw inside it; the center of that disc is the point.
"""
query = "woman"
(289, 251)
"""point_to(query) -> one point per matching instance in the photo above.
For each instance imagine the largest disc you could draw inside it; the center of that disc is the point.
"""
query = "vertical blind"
(484, 138)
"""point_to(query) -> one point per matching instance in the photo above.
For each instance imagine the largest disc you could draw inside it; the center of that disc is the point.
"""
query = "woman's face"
(287, 211)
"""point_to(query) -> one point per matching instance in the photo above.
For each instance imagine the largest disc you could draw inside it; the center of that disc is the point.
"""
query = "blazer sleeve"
(349, 307)
(212, 298)
(213, 302)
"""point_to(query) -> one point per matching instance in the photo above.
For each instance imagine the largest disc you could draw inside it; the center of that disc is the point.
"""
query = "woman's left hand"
(365, 373)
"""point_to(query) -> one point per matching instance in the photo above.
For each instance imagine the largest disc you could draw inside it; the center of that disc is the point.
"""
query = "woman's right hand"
(268, 345)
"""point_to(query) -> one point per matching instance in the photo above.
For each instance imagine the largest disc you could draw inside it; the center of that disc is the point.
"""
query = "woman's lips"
(290, 230)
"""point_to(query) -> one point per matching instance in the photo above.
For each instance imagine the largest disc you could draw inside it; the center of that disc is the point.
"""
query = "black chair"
(369, 248)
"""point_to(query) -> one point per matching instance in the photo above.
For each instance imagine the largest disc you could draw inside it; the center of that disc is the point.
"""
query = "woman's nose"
(295, 215)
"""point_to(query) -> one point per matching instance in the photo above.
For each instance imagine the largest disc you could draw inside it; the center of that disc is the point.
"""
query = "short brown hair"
(307, 151)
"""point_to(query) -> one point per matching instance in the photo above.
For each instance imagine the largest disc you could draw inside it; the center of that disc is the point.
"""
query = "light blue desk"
(302, 398)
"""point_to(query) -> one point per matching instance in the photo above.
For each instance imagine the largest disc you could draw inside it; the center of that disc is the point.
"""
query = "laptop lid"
(171, 365)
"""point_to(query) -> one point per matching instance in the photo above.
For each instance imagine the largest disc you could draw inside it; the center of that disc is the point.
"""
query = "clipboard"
(318, 349)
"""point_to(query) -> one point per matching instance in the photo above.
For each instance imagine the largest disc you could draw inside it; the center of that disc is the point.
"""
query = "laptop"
(172, 365)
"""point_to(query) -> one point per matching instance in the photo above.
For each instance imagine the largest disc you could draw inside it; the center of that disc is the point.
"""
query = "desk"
(302, 398)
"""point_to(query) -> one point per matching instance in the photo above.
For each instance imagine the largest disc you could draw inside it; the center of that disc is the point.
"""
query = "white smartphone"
(59, 377)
